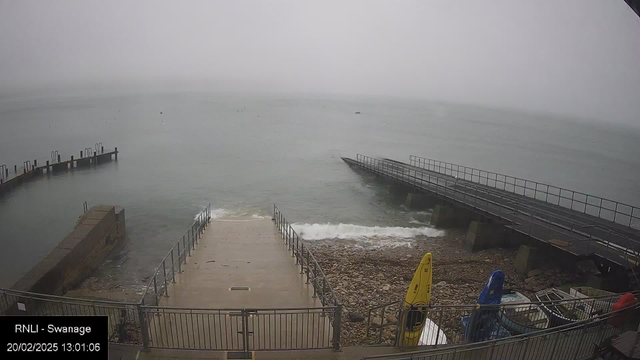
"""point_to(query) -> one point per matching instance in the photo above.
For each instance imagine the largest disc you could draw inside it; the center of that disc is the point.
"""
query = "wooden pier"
(10, 178)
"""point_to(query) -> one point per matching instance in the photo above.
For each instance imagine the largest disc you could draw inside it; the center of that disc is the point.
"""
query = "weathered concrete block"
(450, 217)
(78, 254)
(419, 201)
(482, 235)
(527, 259)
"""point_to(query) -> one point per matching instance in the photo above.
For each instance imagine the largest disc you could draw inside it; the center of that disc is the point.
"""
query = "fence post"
(173, 269)
(155, 289)
(337, 327)
(143, 328)
(179, 258)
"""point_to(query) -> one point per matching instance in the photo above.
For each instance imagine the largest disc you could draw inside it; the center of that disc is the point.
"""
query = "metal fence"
(172, 263)
(124, 318)
(308, 263)
(521, 217)
(607, 209)
(243, 329)
(570, 342)
(461, 324)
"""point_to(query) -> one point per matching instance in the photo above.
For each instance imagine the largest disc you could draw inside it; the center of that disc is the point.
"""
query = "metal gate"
(242, 330)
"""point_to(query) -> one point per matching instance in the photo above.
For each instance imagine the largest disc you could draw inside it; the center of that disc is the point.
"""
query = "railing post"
(308, 265)
(164, 271)
(173, 270)
(315, 278)
(301, 262)
(179, 258)
(143, 328)
(155, 289)
(337, 327)
(324, 290)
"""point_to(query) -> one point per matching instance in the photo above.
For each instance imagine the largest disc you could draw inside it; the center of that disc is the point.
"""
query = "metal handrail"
(188, 240)
(599, 320)
(308, 263)
(441, 186)
(67, 299)
(540, 188)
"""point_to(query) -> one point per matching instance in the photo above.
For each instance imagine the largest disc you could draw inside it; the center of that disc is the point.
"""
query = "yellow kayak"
(416, 302)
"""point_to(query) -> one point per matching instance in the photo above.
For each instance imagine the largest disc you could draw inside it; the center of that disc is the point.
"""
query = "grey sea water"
(244, 152)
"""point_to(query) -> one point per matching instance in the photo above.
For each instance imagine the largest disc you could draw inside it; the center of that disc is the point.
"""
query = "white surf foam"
(350, 231)
(256, 216)
(414, 221)
(216, 214)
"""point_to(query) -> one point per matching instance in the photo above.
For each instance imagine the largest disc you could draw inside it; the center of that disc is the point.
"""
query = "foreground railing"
(172, 263)
(124, 318)
(460, 324)
(567, 342)
(242, 330)
(520, 217)
(606, 209)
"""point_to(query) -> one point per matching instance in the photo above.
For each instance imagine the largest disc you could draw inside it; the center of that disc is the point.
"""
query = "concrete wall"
(80, 253)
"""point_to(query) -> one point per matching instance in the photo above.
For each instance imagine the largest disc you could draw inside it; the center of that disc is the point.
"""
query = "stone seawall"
(79, 254)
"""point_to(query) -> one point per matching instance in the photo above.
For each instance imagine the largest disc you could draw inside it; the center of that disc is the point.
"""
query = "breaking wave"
(357, 232)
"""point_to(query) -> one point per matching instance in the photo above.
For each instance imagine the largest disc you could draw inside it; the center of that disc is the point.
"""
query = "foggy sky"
(578, 57)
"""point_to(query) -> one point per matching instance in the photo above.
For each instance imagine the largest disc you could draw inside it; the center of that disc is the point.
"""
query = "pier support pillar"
(484, 235)
(450, 217)
(419, 201)
(399, 189)
(527, 259)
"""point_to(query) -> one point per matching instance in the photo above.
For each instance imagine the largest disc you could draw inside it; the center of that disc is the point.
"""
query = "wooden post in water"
(71, 165)
(80, 154)
(58, 157)
(116, 153)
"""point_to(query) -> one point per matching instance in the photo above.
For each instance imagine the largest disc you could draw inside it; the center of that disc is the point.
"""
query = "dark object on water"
(357, 112)
(160, 112)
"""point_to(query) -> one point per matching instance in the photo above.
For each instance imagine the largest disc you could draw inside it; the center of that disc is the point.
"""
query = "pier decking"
(584, 232)
(13, 176)
(241, 253)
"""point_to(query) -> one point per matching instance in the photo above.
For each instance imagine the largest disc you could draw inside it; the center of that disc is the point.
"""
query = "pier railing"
(171, 264)
(305, 259)
(519, 216)
(567, 342)
(615, 211)
(460, 324)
